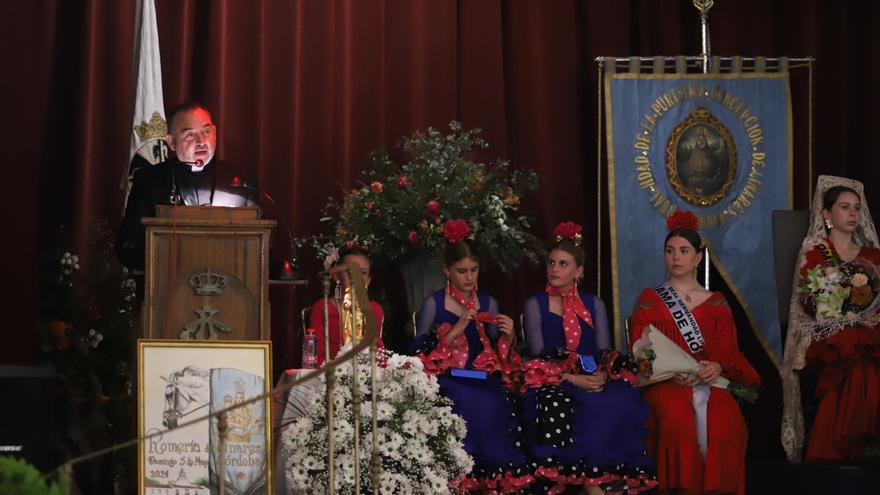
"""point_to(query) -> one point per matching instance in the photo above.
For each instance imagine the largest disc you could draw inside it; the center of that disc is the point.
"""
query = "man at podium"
(191, 177)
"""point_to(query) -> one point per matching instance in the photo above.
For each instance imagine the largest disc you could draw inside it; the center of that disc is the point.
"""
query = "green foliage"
(18, 477)
(400, 210)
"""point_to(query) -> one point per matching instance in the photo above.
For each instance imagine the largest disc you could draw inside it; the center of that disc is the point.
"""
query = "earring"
(337, 291)
(448, 286)
(828, 224)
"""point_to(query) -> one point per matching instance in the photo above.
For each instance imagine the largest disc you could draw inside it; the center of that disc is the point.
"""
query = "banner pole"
(695, 60)
(810, 132)
(600, 65)
(703, 6)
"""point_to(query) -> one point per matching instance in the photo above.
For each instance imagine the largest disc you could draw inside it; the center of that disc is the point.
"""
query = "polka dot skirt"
(554, 415)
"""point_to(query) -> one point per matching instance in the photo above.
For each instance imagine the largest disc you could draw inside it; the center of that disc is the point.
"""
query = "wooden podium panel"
(207, 274)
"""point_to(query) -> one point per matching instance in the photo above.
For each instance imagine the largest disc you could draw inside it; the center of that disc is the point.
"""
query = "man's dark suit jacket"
(153, 185)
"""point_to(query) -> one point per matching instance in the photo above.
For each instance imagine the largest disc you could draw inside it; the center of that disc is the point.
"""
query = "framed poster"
(180, 381)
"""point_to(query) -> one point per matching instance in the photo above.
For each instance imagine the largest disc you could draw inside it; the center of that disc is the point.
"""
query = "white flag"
(148, 128)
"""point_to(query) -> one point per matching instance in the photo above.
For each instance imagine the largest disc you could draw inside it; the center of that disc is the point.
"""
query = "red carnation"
(376, 186)
(433, 208)
(567, 230)
(368, 205)
(58, 328)
(403, 181)
(456, 230)
(413, 237)
(683, 220)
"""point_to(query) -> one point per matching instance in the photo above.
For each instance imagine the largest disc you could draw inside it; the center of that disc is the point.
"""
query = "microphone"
(198, 163)
(287, 269)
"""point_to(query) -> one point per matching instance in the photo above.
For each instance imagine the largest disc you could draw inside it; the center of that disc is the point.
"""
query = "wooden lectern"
(207, 273)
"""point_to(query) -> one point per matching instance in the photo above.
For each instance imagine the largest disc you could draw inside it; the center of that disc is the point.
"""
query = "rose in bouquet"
(402, 210)
(836, 291)
(420, 440)
(663, 359)
(87, 315)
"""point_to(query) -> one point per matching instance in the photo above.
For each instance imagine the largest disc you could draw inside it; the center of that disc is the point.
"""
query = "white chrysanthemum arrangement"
(420, 440)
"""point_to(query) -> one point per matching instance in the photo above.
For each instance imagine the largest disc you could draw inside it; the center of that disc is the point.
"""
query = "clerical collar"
(193, 167)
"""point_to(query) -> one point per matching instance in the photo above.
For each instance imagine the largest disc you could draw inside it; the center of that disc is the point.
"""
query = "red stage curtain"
(303, 90)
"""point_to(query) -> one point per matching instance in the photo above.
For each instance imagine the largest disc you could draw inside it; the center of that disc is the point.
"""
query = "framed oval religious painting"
(701, 159)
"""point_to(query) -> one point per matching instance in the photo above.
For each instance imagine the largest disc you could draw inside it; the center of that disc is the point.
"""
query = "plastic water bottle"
(310, 349)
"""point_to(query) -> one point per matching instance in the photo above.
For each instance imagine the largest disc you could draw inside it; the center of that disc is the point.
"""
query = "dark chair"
(789, 229)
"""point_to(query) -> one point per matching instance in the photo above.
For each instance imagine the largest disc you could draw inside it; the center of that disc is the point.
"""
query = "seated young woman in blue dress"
(461, 333)
(582, 429)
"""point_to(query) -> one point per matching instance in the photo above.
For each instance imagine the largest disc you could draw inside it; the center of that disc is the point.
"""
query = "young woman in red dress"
(697, 434)
(342, 329)
(843, 350)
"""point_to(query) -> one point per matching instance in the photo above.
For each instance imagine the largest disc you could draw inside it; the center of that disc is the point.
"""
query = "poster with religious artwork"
(181, 384)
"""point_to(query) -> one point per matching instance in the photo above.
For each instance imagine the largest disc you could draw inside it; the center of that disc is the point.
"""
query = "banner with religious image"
(718, 145)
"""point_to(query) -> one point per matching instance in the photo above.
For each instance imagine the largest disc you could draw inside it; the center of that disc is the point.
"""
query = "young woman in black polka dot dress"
(582, 428)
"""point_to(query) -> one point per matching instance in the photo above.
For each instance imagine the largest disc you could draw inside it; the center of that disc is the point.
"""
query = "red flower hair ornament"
(683, 220)
(356, 245)
(456, 230)
(568, 230)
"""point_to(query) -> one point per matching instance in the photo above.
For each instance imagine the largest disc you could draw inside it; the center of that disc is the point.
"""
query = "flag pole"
(703, 6)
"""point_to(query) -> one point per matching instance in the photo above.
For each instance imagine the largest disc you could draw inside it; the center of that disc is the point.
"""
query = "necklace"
(687, 295)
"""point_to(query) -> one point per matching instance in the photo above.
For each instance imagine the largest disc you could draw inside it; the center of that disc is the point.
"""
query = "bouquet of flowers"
(87, 316)
(658, 358)
(401, 210)
(837, 291)
(419, 438)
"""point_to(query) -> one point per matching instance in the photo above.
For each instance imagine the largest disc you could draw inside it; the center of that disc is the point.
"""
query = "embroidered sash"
(684, 319)
(690, 331)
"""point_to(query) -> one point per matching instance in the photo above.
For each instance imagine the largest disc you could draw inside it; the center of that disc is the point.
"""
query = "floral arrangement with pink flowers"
(443, 192)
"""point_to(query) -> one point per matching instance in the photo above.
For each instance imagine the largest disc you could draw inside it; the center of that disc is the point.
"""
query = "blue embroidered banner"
(718, 145)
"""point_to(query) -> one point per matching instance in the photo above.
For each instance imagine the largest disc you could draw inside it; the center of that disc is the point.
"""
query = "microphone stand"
(287, 269)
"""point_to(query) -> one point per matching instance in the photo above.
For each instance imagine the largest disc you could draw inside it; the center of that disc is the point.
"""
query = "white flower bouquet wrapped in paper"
(420, 439)
(659, 359)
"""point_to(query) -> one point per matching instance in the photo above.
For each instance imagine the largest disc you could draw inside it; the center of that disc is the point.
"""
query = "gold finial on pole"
(704, 5)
